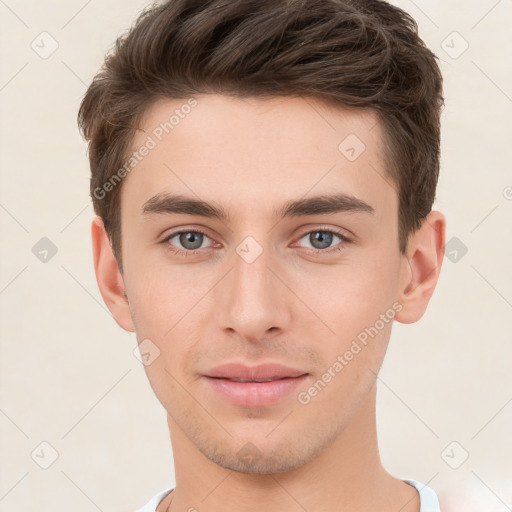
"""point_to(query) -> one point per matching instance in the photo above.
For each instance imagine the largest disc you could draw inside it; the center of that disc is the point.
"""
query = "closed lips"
(252, 380)
(267, 372)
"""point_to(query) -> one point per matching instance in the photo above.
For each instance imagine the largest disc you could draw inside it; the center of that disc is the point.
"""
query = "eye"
(322, 239)
(190, 240)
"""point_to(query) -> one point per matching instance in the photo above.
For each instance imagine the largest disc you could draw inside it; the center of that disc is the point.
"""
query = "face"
(261, 272)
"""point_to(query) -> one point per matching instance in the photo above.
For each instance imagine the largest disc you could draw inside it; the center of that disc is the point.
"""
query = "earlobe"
(109, 278)
(421, 268)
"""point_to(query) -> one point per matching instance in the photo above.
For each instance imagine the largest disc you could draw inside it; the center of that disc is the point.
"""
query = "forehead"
(259, 151)
(262, 124)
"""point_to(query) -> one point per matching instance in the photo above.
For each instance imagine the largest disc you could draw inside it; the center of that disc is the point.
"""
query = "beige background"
(68, 373)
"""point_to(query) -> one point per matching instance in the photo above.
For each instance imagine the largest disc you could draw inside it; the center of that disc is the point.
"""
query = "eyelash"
(340, 246)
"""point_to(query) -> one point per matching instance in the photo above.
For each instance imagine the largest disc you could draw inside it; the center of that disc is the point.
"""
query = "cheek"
(161, 296)
(348, 298)
(357, 304)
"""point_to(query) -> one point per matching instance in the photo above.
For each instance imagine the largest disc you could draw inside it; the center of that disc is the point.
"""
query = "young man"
(263, 174)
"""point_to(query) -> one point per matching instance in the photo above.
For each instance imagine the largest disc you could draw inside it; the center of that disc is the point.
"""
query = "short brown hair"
(357, 53)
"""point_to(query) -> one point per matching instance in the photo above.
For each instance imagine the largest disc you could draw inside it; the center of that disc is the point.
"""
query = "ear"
(421, 267)
(109, 278)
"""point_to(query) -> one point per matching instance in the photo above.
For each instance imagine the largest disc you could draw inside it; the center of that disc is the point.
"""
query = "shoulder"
(428, 497)
(151, 505)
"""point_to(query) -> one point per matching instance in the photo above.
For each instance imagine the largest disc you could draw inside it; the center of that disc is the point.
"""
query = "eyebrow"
(323, 204)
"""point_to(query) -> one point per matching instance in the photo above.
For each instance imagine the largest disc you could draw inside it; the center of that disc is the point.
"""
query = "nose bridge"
(252, 298)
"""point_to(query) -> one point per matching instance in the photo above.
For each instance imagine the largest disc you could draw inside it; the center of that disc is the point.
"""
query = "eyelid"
(335, 230)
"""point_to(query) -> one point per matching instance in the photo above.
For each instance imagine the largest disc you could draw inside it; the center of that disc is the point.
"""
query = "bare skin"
(294, 303)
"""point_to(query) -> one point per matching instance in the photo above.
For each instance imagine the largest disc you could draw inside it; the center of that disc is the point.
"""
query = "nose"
(253, 301)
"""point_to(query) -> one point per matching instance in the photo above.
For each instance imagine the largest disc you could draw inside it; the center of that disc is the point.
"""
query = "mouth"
(266, 372)
(255, 386)
(253, 380)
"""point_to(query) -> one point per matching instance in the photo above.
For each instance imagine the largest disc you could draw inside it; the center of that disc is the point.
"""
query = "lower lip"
(255, 394)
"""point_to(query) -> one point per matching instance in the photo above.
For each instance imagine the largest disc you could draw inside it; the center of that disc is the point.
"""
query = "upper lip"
(267, 371)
